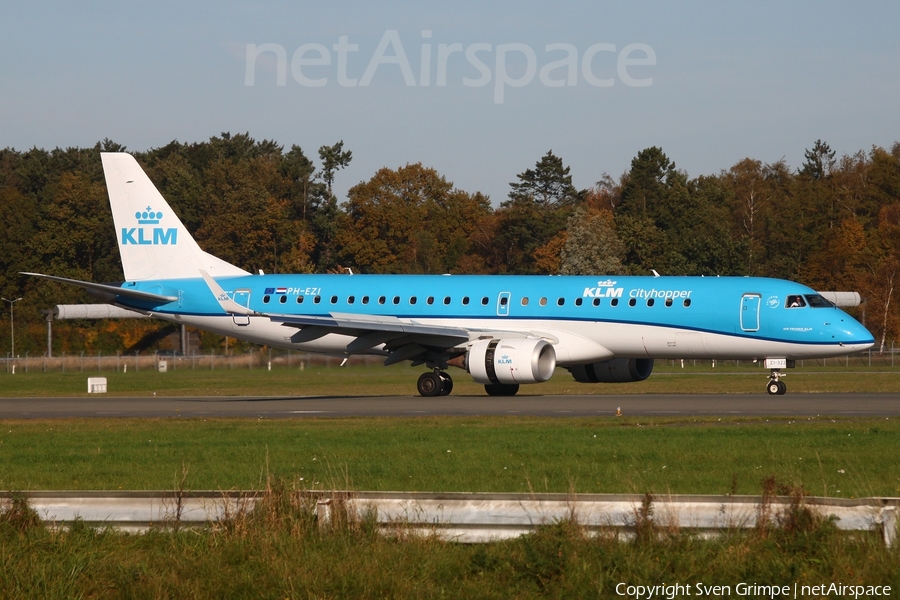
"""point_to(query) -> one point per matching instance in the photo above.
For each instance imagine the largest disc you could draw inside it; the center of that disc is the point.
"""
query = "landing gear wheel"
(501, 389)
(447, 384)
(776, 388)
(430, 384)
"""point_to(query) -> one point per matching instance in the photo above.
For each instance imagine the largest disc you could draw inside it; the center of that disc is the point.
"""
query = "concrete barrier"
(462, 517)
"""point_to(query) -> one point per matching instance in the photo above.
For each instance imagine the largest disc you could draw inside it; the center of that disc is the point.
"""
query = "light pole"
(12, 326)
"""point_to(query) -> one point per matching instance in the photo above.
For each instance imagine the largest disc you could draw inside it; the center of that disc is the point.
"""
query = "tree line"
(833, 223)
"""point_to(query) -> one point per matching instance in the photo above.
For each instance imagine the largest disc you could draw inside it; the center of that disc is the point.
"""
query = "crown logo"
(607, 283)
(148, 217)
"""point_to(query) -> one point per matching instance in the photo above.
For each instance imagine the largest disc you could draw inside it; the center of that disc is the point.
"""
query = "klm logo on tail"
(147, 236)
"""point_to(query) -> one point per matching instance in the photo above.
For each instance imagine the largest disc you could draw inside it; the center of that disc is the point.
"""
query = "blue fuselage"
(657, 317)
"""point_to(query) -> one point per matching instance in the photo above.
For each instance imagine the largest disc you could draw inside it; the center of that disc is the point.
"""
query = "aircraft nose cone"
(853, 335)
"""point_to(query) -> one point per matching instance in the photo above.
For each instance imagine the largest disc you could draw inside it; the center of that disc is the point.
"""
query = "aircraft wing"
(356, 322)
(402, 339)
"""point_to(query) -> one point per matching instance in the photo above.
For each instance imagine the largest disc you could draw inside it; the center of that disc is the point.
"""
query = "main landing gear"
(501, 389)
(436, 383)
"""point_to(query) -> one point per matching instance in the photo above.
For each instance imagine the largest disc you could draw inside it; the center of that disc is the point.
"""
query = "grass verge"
(376, 380)
(843, 457)
(278, 551)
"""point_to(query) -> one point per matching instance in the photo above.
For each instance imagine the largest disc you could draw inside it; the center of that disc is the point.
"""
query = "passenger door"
(750, 304)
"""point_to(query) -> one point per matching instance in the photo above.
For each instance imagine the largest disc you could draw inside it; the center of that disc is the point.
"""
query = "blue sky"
(727, 81)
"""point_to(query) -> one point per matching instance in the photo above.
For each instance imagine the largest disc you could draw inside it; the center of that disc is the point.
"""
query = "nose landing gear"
(776, 387)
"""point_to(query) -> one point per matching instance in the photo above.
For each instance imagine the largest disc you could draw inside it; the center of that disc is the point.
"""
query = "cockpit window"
(817, 301)
(795, 301)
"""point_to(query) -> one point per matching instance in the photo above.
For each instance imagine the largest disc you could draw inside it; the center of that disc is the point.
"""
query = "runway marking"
(308, 412)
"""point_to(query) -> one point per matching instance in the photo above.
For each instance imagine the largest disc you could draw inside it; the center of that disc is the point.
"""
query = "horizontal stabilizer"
(103, 289)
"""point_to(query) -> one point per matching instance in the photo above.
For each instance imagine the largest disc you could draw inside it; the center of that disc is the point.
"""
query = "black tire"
(430, 384)
(774, 388)
(501, 389)
(447, 384)
(782, 388)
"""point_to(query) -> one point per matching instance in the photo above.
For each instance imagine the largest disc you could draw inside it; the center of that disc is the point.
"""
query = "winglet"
(227, 304)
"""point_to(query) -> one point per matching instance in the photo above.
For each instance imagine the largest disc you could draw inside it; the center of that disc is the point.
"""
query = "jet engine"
(617, 370)
(526, 360)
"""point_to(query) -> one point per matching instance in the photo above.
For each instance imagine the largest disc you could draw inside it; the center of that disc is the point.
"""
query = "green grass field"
(848, 457)
(376, 380)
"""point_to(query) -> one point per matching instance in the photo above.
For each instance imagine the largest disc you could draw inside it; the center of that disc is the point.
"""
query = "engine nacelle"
(525, 360)
(617, 370)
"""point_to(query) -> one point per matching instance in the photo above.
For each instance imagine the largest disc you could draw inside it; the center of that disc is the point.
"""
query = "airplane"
(504, 330)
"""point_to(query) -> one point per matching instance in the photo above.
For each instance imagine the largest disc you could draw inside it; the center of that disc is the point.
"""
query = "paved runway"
(885, 405)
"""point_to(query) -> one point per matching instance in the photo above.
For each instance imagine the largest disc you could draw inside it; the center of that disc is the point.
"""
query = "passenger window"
(381, 299)
(430, 300)
(632, 302)
(334, 299)
(465, 300)
(446, 300)
(283, 299)
(365, 299)
(317, 299)
(412, 300)
(650, 302)
(351, 299)
(687, 302)
(299, 299)
(578, 301)
(560, 301)
(266, 299)
(524, 300)
(668, 302)
(614, 302)
(396, 300)
(543, 302)
(504, 301)
(596, 302)
(484, 301)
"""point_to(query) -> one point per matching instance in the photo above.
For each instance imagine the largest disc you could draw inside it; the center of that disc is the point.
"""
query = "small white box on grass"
(96, 385)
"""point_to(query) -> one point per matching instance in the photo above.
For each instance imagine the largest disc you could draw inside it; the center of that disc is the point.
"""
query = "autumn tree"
(592, 246)
(539, 205)
(409, 220)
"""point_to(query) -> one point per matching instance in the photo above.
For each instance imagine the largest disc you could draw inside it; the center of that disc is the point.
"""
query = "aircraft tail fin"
(153, 242)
